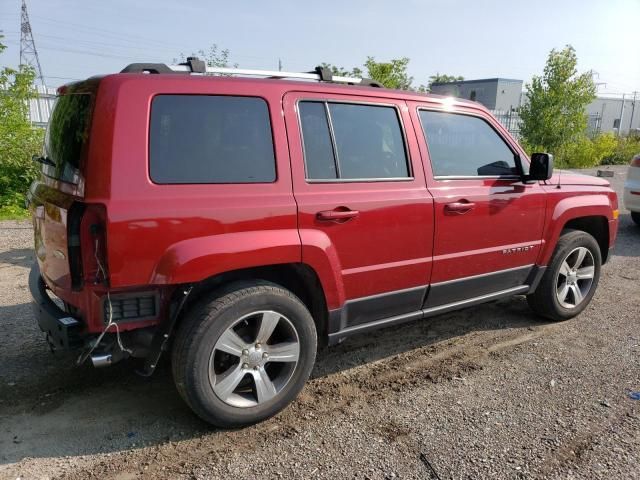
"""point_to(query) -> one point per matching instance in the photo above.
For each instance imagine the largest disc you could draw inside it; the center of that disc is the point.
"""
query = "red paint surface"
(159, 236)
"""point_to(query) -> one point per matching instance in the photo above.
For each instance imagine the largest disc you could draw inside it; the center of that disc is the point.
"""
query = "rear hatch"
(52, 198)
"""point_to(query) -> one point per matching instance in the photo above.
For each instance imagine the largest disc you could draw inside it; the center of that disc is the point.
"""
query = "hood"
(566, 177)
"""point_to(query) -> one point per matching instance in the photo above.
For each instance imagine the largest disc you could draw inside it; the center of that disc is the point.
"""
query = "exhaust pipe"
(102, 360)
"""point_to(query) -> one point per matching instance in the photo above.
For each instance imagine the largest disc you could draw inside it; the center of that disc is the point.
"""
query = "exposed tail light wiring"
(110, 323)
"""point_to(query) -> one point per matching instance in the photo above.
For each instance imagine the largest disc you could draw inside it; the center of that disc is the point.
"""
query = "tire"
(218, 346)
(635, 216)
(555, 284)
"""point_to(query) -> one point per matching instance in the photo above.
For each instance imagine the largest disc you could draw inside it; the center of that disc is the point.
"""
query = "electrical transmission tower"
(28, 52)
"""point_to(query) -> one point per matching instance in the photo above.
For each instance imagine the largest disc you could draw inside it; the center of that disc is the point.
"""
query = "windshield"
(67, 133)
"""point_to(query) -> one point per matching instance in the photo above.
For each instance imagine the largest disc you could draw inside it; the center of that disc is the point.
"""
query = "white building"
(613, 116)
(40, 107)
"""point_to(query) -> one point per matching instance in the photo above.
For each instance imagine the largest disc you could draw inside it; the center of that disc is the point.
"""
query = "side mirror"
(541, 167)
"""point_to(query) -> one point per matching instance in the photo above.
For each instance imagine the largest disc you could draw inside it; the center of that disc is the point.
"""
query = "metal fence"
(40, 107)
(511, 120)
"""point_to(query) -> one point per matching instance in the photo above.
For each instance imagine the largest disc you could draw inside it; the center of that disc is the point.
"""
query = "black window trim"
(326, 101)
(273, 138)
(466, 177)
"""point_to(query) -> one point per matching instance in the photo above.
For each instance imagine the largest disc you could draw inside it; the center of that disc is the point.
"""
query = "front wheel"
(245, 354)
(635, 216)
(571, 278)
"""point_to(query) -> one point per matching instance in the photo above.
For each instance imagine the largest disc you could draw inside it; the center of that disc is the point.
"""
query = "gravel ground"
(489, 392)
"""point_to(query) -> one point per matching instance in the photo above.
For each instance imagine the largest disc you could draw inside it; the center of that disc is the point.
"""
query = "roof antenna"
(559, 175)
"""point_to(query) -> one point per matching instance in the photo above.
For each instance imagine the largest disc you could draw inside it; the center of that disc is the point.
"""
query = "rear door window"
(67, 134)
(348, 141)
(210, 139)
(465, 146)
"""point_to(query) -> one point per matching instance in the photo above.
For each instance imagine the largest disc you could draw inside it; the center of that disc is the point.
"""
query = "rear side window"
(463, 145)
(67, 133)
(318, 148)
(352, 141)
(210, 139)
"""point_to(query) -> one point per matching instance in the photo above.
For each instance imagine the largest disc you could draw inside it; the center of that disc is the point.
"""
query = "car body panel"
(632, 189)
(568, 203)
(388, 246)
(503, 230)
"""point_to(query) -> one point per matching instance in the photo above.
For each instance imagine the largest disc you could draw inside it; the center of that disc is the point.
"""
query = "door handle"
(336, 215)
(459, 207)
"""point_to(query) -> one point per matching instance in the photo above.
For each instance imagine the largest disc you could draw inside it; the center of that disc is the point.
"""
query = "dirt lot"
(489, 392)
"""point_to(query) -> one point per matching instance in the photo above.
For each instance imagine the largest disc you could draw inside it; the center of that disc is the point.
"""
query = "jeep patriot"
(237, 219)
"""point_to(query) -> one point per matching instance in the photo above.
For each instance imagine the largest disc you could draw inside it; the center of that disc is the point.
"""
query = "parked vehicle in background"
(632, 189)
(240, 222)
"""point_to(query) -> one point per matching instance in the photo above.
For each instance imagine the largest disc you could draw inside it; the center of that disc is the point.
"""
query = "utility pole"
(633, 109)
(279, 65)
(621, 116)
(28, 52)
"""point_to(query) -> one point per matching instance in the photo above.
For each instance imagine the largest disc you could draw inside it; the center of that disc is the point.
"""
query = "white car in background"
(632, 189)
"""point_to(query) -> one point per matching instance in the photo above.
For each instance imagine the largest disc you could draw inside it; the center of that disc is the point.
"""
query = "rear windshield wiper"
(43, 160)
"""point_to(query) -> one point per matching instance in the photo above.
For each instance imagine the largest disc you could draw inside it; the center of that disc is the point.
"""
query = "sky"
(475, 39)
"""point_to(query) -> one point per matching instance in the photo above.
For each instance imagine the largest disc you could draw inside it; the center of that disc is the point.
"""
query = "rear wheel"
(635, 216)
(571, 278)
(245, 354)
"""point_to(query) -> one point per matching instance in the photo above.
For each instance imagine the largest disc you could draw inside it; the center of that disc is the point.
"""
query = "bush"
(626, 149)
(585, 152)
(17, 170)
(19, 140)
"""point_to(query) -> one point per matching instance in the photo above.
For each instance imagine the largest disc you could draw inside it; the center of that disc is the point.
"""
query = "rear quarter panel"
(166, 234)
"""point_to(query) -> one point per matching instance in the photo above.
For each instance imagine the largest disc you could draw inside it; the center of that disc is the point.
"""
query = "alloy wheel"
(575, 277)
(254, 359)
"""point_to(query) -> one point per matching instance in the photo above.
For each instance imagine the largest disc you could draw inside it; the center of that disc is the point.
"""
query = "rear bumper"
(62, 330)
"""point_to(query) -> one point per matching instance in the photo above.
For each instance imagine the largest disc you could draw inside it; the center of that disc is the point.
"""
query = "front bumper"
(631, 194)
(62, 330)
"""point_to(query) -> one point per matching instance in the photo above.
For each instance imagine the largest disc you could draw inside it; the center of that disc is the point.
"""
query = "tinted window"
(318, 150)
(462, 145)
(368, 142)
(210, 139)
(67, 132)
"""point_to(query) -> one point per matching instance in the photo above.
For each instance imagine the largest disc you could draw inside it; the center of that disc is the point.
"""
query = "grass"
(13, 213)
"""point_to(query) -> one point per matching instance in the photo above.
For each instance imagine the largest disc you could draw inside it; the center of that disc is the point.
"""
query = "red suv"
(239, 222)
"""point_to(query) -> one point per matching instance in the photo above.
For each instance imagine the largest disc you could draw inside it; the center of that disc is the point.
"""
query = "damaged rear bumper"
(63, 331)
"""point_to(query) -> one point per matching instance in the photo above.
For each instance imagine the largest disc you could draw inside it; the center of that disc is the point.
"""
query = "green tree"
(214, 56)
(555, 111)
(443, 78)
(391, 74)
(341, 71)
(19, 140)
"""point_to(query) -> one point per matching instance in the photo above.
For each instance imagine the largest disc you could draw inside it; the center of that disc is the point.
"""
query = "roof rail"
(195, 65)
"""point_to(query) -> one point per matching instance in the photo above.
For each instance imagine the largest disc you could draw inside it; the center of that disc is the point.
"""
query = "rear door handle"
(459, 207)
(336, 215)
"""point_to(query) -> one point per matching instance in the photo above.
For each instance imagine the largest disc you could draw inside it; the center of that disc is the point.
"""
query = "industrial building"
(613, 116)
(504, 95)
(494, 93)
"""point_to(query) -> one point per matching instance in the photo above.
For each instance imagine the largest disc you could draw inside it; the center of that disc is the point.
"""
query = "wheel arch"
(588, 213)
(595, 225)
(299, 278)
